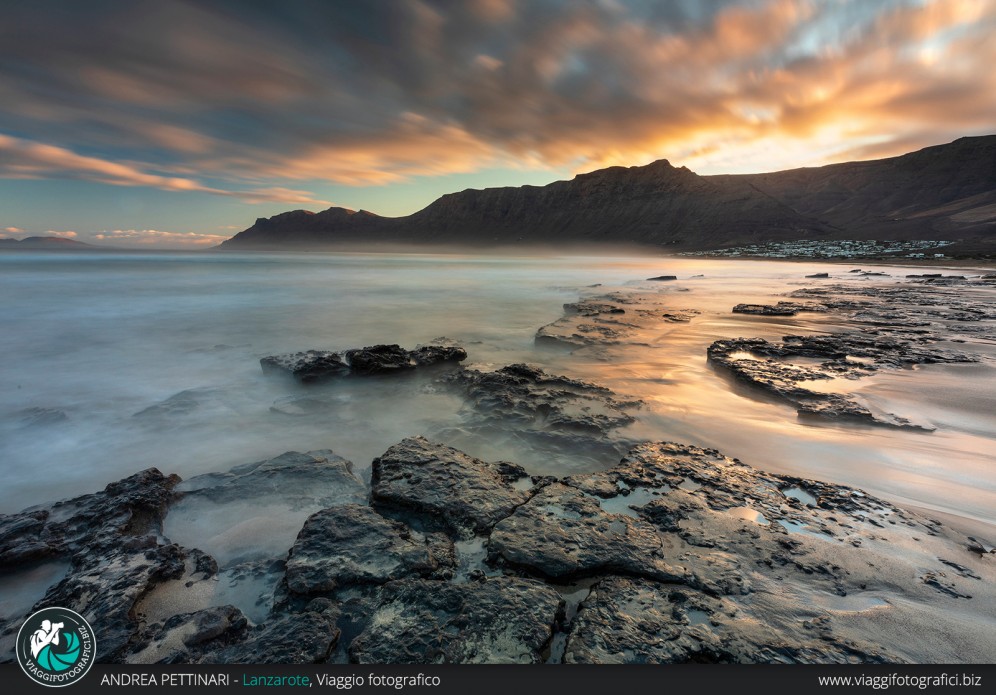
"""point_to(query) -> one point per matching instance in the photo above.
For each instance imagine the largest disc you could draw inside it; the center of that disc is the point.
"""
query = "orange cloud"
(371, 93)
(24, 159)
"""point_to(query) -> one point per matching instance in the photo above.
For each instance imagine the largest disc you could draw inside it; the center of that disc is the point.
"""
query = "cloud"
(14, 230)
(251, 96)
(157, 238)
(66, 234)
(23, 159)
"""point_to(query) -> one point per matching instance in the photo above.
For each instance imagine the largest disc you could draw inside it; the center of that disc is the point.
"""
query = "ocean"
(93, 345)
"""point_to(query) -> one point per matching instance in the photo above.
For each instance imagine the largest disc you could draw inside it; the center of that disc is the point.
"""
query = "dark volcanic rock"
(768, 366)
(134, 506)
(501, 620)
(663, 278)
(530, 398)
(112, 539)
(764, 310)
(307, 367)
(819, 275)
(562, 533)
(222, 635)
(616, 318)
(384, 359)
(316, 365)
(316, 477)
(444, 486)
(307, 637)
(636, 621)
(353, 544)
(791, 569)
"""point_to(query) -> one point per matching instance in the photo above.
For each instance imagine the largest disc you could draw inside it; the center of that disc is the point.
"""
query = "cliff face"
(941, 192)
(653, 204)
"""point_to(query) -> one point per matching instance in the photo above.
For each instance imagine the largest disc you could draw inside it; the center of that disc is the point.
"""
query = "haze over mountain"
(946, 192)
(46, 243)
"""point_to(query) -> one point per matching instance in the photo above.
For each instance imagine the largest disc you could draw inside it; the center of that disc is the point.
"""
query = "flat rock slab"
(498, 621)
(789, 550)
(318, 365)
(780, 309)
(353, 544)
(630, 317)
(444, 486)
(768, 366)
(629, 620)
(563, 534)
(315, 477)
(528, 398)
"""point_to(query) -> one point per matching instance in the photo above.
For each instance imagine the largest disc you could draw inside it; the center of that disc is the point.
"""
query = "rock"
(530, 398)
(315, 477)
(353, 544)
(980, 547)
(616, 318)
(763, 310)
(182, 403)
(254, 511)
(445, 487)
(183, 638)
(307, 367)
(113, 541)
(105, 583)
(849, 355)
(133, 506)
(501, 620)
(317, 365)
(563, 534)
(662, 278)
(784, 550)
(222, 635)
(293, 638)
(819, 275)
(637, 621)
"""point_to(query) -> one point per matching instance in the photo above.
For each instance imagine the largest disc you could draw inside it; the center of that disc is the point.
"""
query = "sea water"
(93, 345)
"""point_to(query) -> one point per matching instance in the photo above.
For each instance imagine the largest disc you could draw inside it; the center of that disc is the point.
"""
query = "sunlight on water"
(92, 340)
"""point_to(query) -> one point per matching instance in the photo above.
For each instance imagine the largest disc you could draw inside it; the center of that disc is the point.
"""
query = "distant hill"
(945, 192)
(46, 242)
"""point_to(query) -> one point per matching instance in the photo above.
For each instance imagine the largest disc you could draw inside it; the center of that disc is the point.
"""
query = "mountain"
(944, 192)
(34, 243)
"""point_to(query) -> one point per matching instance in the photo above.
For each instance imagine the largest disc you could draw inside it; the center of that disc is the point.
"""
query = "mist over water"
(103, 338)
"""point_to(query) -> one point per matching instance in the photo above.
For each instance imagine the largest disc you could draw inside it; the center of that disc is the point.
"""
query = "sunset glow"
(194, 118)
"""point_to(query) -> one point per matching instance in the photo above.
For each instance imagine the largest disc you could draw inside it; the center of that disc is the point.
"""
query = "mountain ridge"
(45, 242)
(941, 192)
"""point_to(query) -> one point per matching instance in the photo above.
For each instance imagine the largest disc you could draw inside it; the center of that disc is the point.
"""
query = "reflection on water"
(101, 338)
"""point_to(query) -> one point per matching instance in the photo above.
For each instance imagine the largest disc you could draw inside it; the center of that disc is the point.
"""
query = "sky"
(175, 124)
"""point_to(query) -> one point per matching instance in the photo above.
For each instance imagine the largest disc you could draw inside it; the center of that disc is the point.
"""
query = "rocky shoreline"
(675, 554)
(678, 554)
